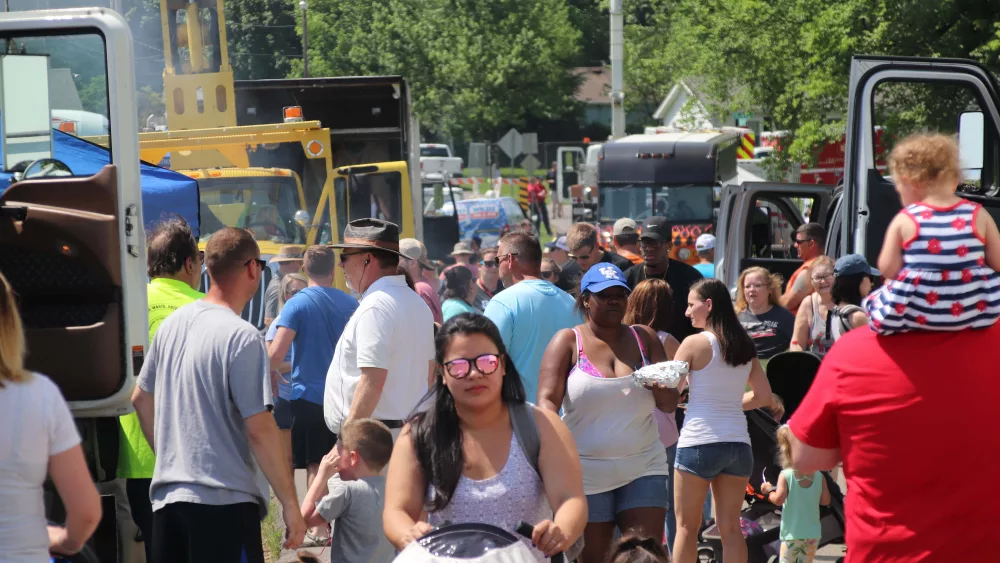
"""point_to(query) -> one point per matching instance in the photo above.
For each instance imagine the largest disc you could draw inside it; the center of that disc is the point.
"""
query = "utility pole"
(617, 62)
(305, 39)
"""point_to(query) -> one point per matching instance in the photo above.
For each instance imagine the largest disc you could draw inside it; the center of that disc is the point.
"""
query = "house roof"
(595, 84)
(693, 86)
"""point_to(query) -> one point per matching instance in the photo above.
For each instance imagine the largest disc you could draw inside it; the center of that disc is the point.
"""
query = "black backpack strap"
(522, 418)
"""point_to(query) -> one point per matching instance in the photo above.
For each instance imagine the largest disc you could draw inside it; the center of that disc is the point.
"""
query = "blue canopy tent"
(164, 192)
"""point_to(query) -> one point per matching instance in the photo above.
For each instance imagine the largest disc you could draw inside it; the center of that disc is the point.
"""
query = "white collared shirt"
(392, 329)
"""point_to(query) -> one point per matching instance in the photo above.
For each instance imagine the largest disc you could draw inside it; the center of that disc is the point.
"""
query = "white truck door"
(73, 246)
(948, 95)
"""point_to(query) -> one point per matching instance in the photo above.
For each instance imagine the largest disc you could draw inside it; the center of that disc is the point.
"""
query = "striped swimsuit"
(945, 284)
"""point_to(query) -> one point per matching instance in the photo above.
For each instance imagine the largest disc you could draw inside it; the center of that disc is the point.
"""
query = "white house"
(687, 106)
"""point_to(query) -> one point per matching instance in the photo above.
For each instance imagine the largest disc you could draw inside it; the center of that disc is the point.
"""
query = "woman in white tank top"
(714, 444)
(587, 372)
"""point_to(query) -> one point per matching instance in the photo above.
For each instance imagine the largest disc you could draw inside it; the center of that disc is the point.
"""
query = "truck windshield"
(434, 151)
(265, 205)
(677, 203)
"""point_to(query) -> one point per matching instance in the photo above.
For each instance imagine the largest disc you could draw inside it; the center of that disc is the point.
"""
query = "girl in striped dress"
(941, 252)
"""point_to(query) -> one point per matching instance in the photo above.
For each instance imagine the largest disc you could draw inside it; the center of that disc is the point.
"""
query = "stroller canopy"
(464, 543)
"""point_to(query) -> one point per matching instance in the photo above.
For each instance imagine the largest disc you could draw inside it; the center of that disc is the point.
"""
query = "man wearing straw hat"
(289, 261)
(385, 357)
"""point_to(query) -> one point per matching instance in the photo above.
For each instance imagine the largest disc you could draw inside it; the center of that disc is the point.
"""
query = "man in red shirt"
(916, 419)
(536, 195)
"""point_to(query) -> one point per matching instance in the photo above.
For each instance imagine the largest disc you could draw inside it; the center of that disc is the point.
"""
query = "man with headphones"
(385, 358)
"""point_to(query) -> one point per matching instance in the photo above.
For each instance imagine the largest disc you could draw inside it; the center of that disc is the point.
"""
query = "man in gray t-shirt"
(202, 401)
(204, 454)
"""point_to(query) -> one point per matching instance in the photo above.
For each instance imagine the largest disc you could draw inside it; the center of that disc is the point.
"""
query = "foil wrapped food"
(664, 374)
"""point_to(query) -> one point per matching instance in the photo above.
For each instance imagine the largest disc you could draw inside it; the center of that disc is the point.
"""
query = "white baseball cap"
(704, 242)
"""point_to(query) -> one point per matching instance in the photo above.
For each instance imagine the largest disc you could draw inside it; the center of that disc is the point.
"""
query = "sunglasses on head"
(460, 368)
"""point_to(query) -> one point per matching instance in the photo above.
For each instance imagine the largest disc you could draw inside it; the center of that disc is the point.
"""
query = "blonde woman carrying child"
(800, 496)
(941, 252)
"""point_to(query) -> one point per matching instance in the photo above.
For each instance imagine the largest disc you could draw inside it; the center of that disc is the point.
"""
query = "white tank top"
(612, 422)
(513, 495)
(715, 409)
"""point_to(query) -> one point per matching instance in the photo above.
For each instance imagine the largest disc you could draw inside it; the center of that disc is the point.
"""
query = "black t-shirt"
(771, 331)
(569, 277)
(680, 277)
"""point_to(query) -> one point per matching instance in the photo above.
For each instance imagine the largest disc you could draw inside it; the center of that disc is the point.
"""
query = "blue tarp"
(163, 191)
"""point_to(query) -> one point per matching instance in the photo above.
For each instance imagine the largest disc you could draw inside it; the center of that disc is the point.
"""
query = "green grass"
(272, 530)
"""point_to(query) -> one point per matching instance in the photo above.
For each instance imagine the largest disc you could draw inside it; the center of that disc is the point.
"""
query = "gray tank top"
(512, 495)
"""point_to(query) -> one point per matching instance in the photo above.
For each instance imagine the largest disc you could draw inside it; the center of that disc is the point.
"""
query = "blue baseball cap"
(852, 264)
(601, 276)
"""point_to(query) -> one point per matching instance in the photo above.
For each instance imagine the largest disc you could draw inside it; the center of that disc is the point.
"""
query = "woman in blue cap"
(587, 372)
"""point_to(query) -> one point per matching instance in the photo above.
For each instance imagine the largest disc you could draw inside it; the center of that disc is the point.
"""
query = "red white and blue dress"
(945, 284)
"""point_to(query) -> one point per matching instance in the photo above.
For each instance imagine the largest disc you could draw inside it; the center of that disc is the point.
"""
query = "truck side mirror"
(971, 140)
(26, 127)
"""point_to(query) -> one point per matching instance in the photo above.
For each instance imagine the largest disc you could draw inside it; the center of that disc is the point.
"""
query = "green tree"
(474, 67)
(262, 37)
(790, 59)
(94, 95)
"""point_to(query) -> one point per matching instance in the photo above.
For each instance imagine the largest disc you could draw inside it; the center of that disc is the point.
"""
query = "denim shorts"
(708, 461)
(645, 492)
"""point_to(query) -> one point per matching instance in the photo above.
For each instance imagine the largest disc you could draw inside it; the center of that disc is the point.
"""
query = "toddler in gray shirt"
(349, 493)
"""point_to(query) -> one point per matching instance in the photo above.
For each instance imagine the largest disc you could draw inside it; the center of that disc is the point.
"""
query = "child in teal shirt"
(800, 496)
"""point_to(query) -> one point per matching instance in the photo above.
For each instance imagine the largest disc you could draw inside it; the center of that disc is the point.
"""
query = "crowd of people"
(428, 401)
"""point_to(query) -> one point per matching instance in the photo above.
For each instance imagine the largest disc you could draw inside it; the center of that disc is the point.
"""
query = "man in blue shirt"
(310, 325)
(537, 308)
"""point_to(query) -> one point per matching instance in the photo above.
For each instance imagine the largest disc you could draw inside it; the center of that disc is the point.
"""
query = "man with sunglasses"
(384, 361)
(488, 283)
(425, 282)
(809, 240)
(585, 251)
(655, 244)
(173, 264)
(530, 310)
(202, 400)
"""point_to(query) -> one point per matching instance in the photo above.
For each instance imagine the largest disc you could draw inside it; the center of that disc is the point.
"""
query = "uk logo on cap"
(610, 273)
(602, 276)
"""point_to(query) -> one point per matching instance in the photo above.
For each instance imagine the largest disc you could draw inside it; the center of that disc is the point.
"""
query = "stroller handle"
(526, 530)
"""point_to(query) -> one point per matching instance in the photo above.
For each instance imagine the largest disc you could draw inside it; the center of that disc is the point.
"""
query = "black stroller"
(790, 375)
